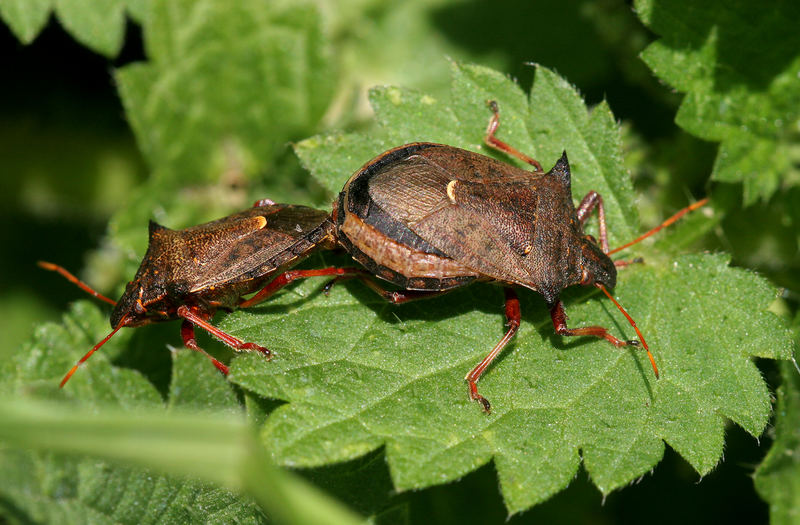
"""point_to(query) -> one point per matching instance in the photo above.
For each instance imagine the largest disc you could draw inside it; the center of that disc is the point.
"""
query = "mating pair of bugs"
(426, 217)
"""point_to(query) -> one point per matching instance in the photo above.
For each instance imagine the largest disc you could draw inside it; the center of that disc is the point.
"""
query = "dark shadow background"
(68, 157)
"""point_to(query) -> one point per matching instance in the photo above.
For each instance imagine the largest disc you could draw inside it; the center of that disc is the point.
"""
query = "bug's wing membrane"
(243, 260)
(415, 192)
(262, 249)
(410, 189)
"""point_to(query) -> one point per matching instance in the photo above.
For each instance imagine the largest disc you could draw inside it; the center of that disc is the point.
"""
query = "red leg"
(591, 201)
(401, 296)
(560, 325)
(187, 333)
(492, 141)
(622, 263)
(198, 319)
(393, 296)
(513, 316)
(292, 275)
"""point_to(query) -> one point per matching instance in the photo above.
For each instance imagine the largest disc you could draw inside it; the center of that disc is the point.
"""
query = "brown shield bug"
(190, 274)
(429, 218)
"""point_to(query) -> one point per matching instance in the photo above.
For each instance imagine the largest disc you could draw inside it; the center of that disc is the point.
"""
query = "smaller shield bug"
(429, 218)
(189, 274)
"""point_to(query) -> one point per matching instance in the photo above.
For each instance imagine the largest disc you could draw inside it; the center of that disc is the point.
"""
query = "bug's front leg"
(559, 318)
(189, 341)
(591, 201)
(195, 317)
(492, 141)
(514, 318)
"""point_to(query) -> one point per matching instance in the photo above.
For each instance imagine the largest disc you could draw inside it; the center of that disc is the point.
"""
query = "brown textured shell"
(213, 264)
(471, 217)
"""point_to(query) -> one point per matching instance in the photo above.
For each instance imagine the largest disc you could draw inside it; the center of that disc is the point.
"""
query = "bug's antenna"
(633, 324)
(681, 213)
(71, 278)
(93, 350)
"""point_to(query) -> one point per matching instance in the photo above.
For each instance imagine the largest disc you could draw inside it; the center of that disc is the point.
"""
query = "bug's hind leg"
(393, 296)
(290, 276)
(514, 318)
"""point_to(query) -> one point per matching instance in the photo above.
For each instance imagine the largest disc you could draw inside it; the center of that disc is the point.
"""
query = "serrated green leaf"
(554, 119)
(739, 65)
(46, 486)
(359, 374)
(99, 25)
(210, 147)
(270, 57)
(118, 416)
(138, 9)
(559, 120)
(26, 18)
(778, 477)
(397, 381)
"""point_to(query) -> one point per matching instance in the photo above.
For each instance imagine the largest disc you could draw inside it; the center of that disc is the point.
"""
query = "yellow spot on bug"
(451, 191)
(527, 249)
(262, 221)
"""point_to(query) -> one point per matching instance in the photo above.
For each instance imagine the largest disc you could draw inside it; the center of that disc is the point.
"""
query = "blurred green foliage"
(185, 111)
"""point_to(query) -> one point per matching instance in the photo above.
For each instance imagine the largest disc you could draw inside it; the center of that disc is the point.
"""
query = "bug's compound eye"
(138, 307)
(586, 277)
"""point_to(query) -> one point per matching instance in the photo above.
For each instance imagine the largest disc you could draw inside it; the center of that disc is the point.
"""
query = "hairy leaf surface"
(359, 374)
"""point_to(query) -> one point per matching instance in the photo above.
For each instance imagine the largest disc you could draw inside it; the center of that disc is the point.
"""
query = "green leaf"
(406, 43)
(26, 18)
(225, 93)
(138, 9)
(43, 484)
(97, 24)
(49, 459)
(534, 126)
(214, 109)
(778, 477)
(739, 65)
(360, 374)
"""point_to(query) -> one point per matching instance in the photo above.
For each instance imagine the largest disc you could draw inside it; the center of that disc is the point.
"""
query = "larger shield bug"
(429, 218)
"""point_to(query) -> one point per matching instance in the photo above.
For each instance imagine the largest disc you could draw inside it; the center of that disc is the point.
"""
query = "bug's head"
(130, 310)
(146, 299)
(596, 266)
(140, 305)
